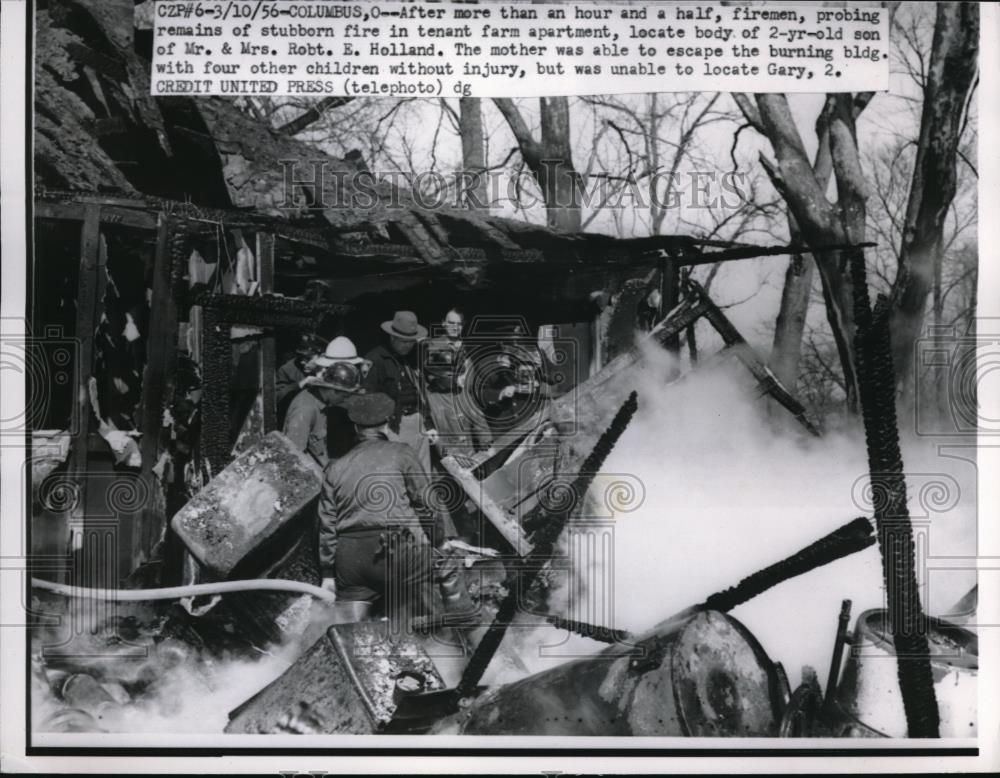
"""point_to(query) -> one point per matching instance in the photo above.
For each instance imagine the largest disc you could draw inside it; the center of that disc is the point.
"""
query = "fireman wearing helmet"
(316, 421)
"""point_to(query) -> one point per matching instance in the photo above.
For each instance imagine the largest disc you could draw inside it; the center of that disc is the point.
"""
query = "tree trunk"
(473, 153)
(560, 181)
(820, 221)
(791, 320)
(551, 160)
(950, 78)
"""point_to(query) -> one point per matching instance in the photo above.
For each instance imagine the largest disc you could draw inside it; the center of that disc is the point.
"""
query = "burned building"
(181, 249)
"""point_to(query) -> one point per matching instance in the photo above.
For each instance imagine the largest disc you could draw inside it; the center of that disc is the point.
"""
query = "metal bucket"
(869, 688)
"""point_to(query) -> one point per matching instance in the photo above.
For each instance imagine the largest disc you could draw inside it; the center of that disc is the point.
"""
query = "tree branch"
(313, 115)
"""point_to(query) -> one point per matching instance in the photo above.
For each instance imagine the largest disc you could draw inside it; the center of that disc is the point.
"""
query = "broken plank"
(505, 524)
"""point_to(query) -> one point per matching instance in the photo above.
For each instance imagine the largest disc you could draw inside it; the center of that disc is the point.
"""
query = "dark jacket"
(286, 385)
(387, 373)
(525, 369)
(378, 484)
(287, 378)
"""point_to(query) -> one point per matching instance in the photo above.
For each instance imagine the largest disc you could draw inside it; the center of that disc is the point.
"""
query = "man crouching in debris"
(377, 528)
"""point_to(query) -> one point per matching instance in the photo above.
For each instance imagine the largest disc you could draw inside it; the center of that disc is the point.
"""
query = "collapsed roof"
(97, 130)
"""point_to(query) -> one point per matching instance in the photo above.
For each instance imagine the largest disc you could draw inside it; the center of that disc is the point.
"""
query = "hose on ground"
(192, 590)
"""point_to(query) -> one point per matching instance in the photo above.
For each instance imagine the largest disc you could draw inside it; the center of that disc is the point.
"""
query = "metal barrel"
(869, 691)
(703, 674)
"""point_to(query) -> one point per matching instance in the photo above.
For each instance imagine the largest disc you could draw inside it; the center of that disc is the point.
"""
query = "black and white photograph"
(602, 381)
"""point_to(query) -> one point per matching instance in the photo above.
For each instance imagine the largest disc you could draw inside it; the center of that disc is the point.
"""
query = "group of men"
(371, 422)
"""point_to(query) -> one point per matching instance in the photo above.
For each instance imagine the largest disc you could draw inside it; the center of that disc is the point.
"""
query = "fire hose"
(192, 590)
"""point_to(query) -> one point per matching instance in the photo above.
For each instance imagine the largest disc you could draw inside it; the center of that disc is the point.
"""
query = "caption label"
(498, 49)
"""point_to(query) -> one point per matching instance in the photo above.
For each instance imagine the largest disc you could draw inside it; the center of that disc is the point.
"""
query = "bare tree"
(949, 86)
(950, 79)
(473, 151)
(550, 158)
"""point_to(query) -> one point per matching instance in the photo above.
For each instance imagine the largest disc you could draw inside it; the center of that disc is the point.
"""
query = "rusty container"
(349, 682)
(247, 504)
(868, 692)
(698, 675)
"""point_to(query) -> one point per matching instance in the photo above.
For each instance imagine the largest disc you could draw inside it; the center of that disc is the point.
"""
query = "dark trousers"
(405, 572)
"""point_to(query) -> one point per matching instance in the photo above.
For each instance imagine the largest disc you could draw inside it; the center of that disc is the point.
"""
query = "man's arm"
(437, 523)
(297, 426)
(327, 511)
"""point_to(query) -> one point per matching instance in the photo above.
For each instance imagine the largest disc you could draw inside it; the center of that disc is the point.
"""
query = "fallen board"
(247, 503)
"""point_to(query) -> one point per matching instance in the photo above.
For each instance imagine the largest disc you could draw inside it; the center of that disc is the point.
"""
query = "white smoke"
(727, 492)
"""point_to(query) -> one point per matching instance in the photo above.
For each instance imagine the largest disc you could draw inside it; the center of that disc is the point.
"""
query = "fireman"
(316, 421)
(380, 537)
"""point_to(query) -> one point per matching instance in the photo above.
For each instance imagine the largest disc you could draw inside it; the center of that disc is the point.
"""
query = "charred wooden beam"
(147, 523)
(267, 310)
(110, 214)
(877, 393)
(545, 538)
(217, 366)
(230, 218)
(753, 252)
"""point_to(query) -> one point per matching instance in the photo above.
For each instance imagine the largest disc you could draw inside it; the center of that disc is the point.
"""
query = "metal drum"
(869, 689)
(702, 675)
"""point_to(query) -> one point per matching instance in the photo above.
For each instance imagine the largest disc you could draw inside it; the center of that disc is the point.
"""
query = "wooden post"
(268, 356)
(88, 303)
(217, 366)
(670, 291)
(157, 391)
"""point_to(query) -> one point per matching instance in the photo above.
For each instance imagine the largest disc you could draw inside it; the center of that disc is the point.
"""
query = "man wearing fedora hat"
(394, 372)
(379, 535)
(316, 423)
